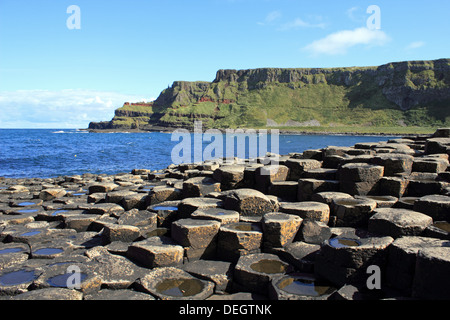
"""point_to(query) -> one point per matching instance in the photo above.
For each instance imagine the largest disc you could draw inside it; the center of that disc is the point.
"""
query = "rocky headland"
(369, 221)
(400, 94)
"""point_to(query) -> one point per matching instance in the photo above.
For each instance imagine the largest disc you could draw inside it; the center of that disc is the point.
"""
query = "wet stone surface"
(307, 229)
(300, 287)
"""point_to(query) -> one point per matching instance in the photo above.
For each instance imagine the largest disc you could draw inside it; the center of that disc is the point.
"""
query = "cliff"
(410, 93)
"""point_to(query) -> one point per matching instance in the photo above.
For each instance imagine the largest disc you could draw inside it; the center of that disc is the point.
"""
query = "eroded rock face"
(401, 86)
(194, 231)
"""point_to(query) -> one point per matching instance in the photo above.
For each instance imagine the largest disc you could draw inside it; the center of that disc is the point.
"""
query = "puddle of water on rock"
(11, 250)
(48, 251)
(30, 233)
(58, 212)
(348, 202)
(344, 242)
(26, 204)
(268, 266)
(303, 287)
(442, 225)
(244, 227)
(180, 287)
(79, 194)
(60, 280)
(408, 201)
(27, 211)
(165, 208)
(17, 277)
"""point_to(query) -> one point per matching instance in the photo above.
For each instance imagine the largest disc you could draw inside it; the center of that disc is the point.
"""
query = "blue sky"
(52, 76)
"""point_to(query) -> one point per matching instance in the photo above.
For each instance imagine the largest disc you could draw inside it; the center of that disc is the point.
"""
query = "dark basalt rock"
(217, 230)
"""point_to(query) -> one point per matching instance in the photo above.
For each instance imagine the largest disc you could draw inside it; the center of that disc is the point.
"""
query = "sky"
(62, 68)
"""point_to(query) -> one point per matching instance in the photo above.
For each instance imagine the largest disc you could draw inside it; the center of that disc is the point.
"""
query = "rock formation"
(394, 94)
(182, 234)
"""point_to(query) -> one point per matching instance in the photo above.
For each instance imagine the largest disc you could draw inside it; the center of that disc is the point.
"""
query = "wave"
(77, 131)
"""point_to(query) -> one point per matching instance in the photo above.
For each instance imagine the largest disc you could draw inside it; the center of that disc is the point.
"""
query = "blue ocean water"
(46, 153)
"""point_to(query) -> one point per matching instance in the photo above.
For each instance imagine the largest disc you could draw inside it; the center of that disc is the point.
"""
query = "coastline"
(281, 131)
(126, 230)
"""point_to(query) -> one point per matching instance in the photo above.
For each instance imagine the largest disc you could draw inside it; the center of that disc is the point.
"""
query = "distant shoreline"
(281, 131)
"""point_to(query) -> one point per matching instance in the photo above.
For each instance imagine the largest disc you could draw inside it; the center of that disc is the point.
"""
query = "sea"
(49, 153)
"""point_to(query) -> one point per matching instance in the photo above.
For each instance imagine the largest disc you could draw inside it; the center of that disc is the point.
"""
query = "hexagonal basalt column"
(314, 232)
(189, 205)
(248, 202)
(255, 271)
(298, 166)
(265, 175)
(219, 272)
(199, 237)
(431, 280)
(393, 186)
(170, 283)
(394, 163)
(164, 193)
(50, 249)
(398, 222)
(229, 176)
(17, 279)
(382, 201)
(13, 253)
(359, 178)
(286, 190)
(238, 239)
(307, 187)
(402, 258)
(300, 254)
(218, 214)
(353, 212)
(119, 232)
(345, 260)
(64, 275)
(329, 196)
(307, 210)
(280, 229)
(200, 186)
(167, 212)
(435, 206)
(156, 252)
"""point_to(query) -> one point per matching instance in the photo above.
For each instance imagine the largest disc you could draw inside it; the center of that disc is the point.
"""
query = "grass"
(362, 130)
(342, 100)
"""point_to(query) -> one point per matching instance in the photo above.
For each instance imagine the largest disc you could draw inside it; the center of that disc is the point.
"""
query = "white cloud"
(59, 109)
(415, 45)
(339, 42)
(299, 23)
(356, 14)
(271, 17)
